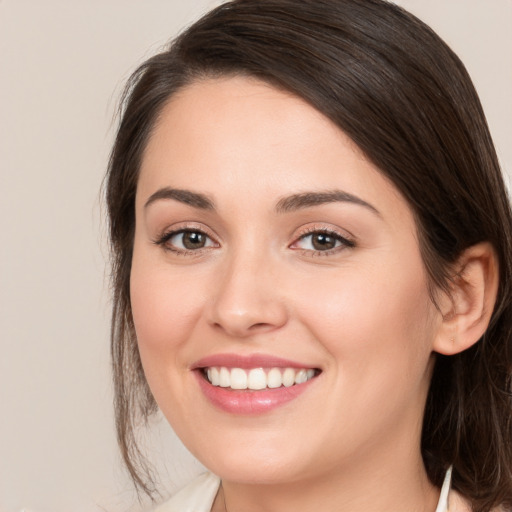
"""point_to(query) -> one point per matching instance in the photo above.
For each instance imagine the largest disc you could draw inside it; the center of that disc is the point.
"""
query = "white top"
(199, 495)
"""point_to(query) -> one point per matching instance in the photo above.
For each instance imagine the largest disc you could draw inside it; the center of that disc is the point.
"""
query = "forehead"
(240, 137)
(240, 110)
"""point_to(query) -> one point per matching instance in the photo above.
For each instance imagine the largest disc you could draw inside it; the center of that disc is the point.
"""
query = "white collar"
(442, 506)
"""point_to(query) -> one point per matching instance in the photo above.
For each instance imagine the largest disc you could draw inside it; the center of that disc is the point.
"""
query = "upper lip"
(247, 361)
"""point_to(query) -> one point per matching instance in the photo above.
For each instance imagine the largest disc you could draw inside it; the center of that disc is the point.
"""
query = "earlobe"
(467, 309)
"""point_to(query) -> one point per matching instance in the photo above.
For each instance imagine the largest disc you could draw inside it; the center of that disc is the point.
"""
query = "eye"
(322, 241)
(185, 240)
(190, 240)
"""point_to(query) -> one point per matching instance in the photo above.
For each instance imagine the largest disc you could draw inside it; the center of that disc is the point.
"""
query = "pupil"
(323, 242)
(193, 240)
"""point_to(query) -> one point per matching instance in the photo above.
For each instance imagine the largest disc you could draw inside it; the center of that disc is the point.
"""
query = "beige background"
(62, 66)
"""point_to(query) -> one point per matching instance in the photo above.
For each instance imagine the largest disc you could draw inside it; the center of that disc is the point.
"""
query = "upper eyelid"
(188, 226)
(322, 228)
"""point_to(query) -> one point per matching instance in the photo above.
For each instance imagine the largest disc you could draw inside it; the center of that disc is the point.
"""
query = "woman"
(312, 264)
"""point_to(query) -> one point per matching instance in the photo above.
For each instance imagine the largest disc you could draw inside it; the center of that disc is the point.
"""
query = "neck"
(395, 487)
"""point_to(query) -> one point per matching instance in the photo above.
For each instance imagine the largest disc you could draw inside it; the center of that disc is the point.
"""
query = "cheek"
(165, 308)
(378, 334)
(165, 312)
(366, 316)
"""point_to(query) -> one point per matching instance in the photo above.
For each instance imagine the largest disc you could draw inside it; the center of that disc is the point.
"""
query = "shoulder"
(197, 496)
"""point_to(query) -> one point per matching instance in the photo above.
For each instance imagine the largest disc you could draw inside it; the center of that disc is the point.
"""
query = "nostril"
(259, 326)
(240, 329)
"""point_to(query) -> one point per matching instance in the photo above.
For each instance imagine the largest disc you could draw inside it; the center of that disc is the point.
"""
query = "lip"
(248, 402)
(247, 361)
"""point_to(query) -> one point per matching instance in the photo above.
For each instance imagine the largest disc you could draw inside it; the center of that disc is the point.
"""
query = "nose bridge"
(246, 299)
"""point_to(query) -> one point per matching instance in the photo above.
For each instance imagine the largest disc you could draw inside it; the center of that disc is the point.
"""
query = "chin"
(256, 472)
(261, 461)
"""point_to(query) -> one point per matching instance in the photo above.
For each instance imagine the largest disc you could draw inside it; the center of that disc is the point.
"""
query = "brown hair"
(393, 86)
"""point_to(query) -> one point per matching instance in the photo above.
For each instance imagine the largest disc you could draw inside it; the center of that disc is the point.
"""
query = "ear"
(466, 310)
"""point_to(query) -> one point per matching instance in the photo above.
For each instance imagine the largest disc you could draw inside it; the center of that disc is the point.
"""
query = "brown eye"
(193, 240)
(322, 241)
(186, 240)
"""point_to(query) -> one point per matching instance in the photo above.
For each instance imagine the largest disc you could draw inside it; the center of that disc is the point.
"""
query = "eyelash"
(164, 238)
(345, 243)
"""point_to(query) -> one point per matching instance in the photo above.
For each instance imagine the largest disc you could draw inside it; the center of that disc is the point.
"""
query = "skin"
(361, 314)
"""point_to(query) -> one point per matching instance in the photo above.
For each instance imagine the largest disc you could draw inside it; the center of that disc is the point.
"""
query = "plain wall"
(62, 67)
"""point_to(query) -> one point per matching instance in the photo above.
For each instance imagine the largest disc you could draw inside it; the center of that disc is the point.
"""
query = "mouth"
(257, 379)
(252, 384)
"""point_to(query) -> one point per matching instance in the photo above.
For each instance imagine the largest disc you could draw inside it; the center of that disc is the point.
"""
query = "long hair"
(399, 92)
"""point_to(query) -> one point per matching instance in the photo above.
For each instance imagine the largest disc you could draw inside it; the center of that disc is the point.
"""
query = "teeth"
(224, 378)
(258, 378)
(238, 379)
(301, 377)
(289, 377)
(213, 376)
(274, 378)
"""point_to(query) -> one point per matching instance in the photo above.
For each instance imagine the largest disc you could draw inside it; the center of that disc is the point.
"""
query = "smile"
(253, 384)
(257, 378)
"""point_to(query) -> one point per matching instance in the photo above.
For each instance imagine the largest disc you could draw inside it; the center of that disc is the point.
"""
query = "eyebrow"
(188, 197)
(287, 204)
(309, 199)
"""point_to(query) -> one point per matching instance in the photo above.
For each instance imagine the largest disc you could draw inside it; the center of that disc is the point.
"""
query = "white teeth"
(301, 377)
(274, 378)
(224, 378)
(288, 377)
(214, 376)
(238, 379)
(258, 378)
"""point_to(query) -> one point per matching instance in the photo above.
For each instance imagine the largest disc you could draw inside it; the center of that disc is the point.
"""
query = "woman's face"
(269, 250)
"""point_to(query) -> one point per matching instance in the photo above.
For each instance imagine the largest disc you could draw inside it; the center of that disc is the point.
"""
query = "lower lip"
(248, 401)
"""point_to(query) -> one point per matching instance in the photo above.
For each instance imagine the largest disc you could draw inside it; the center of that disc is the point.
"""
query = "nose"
(247, 299)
